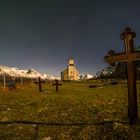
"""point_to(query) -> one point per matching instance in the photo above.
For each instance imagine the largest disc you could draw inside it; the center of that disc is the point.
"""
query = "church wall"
(76, 74)
(71, 72)
(64, 75)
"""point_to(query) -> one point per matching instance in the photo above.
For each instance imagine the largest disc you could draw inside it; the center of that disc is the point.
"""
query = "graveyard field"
(75, 112)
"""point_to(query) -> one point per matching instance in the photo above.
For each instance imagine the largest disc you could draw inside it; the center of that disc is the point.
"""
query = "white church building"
(70, 73)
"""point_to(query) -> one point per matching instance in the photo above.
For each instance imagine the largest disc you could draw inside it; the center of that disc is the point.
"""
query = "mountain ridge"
(28, 73)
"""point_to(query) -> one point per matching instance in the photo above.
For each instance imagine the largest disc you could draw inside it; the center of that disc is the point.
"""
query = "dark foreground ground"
(76, 112)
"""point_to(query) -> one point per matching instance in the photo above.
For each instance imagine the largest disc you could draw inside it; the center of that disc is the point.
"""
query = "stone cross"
(56, 84)
(128, 56)
(39, 83)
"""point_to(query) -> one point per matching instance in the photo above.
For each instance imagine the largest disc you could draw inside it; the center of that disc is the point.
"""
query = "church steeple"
(71, 61)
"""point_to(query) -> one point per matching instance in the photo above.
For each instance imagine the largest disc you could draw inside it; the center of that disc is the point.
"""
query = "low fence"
(11, 82)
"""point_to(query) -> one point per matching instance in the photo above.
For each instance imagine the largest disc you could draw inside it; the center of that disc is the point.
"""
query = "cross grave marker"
(129, 56)
(56, 84)
(39, 83)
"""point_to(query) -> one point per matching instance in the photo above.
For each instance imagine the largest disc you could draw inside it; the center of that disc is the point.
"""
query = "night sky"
(43, 34)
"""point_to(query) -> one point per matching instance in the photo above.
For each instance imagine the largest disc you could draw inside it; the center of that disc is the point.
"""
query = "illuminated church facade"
(70, 73)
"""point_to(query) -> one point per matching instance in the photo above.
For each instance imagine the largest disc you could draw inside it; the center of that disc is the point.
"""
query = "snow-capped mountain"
(30, 73)
(86, 76)
(108, 71)
(15, 72)
(45, 76)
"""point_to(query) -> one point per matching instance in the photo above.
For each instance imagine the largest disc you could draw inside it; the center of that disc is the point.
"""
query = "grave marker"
(56, 84)
(129, 56)
(39, 83)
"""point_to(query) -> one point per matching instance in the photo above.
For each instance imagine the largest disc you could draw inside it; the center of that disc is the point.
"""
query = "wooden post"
(21, 80)
(4, 81)
(128, 56)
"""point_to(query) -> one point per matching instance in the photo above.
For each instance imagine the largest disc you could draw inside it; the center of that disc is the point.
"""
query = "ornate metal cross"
(128, 56)
(39, 83)
(56, 84)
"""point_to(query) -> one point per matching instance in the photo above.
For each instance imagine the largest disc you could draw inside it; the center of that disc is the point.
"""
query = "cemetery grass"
(75, 112)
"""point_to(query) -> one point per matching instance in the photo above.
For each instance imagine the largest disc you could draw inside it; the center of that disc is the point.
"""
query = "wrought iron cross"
(39, 83)
(128, 56)
(56, 84)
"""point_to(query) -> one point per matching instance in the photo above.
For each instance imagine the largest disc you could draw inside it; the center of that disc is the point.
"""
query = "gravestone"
(129, 56)
(39, 83)
(56, 84)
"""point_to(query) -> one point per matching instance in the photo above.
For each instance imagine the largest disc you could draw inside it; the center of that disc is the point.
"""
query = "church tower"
(71, 69)
(71, 73)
